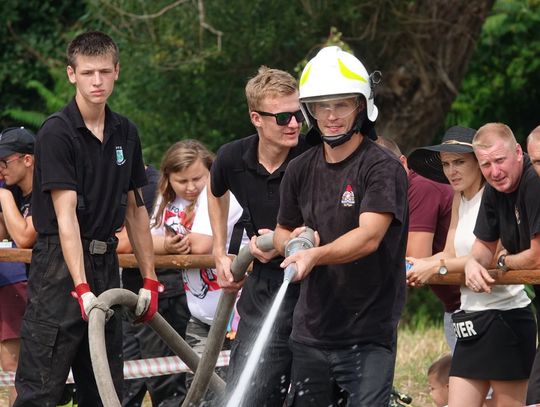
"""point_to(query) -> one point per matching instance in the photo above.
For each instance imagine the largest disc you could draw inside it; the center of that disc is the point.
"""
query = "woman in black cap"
(493, 347)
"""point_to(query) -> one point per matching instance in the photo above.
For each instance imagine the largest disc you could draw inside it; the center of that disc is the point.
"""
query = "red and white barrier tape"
(136, 369)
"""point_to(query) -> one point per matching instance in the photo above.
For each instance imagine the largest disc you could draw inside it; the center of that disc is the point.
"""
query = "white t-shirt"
(202, 289)
(502, 297)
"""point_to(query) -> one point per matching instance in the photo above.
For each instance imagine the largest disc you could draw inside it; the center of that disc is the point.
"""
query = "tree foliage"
(33, 37)
(188, 61)
(186, 81)
(184, 63)
(503, 79)
(422, 48)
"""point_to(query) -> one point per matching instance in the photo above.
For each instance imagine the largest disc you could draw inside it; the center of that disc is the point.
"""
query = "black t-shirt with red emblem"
(361, 301)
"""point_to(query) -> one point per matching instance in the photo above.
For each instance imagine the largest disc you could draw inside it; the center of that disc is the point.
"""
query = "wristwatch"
(442, 268)
(501, 263)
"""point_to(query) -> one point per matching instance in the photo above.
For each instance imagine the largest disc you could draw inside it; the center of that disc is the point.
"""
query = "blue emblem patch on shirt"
(120, 159)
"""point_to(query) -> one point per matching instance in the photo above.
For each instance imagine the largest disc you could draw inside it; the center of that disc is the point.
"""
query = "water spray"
(216, 336)
(303, 242)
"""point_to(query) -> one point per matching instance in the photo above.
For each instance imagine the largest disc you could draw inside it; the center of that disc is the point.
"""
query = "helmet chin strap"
(335, 141)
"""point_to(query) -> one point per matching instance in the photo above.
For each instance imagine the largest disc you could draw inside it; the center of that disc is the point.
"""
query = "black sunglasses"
(284, 118)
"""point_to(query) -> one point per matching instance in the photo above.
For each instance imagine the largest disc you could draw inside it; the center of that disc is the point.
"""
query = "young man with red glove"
(88, 172)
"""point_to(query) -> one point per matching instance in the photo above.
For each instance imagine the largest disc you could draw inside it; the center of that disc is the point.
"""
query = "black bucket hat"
(426, 161)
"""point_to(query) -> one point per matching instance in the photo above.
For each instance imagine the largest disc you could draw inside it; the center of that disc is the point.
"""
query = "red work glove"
(147, 303)
(87, 300)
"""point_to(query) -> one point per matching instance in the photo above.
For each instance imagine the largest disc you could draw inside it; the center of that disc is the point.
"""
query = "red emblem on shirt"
(347, 199)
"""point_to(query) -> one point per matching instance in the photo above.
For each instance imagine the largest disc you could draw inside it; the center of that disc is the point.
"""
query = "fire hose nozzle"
(306, 240)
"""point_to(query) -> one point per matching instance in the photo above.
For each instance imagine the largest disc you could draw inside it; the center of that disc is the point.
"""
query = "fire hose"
(217, 332)
(98, 352)
(203, 367)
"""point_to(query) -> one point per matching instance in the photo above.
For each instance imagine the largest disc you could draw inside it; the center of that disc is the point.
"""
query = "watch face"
(501, 263)
(443, 270)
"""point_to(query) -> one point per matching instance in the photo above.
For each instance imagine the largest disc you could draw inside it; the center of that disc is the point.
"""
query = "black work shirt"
(17, 272)
(360, 301)
(512, 217)
(237, 169)
(23, 202)
(109, 170)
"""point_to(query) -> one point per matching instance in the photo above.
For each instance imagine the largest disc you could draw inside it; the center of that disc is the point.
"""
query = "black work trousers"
(271, 380)
(54, 337)
(142, 342)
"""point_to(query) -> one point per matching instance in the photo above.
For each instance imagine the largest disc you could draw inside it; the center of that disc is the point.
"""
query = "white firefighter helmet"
(336, 74)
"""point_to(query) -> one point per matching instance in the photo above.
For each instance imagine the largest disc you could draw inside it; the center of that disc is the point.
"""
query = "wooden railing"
(125, 260)
(196, 261)
(500, 277)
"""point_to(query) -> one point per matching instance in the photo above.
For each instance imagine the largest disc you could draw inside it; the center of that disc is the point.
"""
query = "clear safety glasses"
(337, 108)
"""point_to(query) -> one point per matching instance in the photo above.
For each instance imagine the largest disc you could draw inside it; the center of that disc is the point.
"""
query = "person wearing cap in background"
(430, 210)
(510, 213)
(353, 193)
(16, 167)
(484, 355)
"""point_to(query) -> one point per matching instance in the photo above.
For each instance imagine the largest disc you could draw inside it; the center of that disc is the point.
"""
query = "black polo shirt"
(513, 217)
(109, 170)
(237, 169)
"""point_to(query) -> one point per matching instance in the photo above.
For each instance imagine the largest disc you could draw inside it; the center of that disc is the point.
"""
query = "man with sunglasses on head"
(252, 168)
(353, 193)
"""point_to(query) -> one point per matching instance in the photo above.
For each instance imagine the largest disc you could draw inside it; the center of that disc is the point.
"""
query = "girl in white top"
(456, 159)
(181, 225)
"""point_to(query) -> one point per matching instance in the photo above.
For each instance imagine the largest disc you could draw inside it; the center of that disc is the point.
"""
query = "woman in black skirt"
(495, 331)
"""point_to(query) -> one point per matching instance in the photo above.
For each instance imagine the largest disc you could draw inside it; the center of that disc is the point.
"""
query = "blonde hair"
(500, 130)
(441, 368)
(269, 82)
(534, 136)
(389, 144)
(178, 157)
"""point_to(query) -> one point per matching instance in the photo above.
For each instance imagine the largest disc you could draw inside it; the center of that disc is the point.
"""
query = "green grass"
(417, 349)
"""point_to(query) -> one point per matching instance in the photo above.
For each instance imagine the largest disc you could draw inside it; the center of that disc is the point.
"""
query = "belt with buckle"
(97, 247)
(101, 247)
(93, 246)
